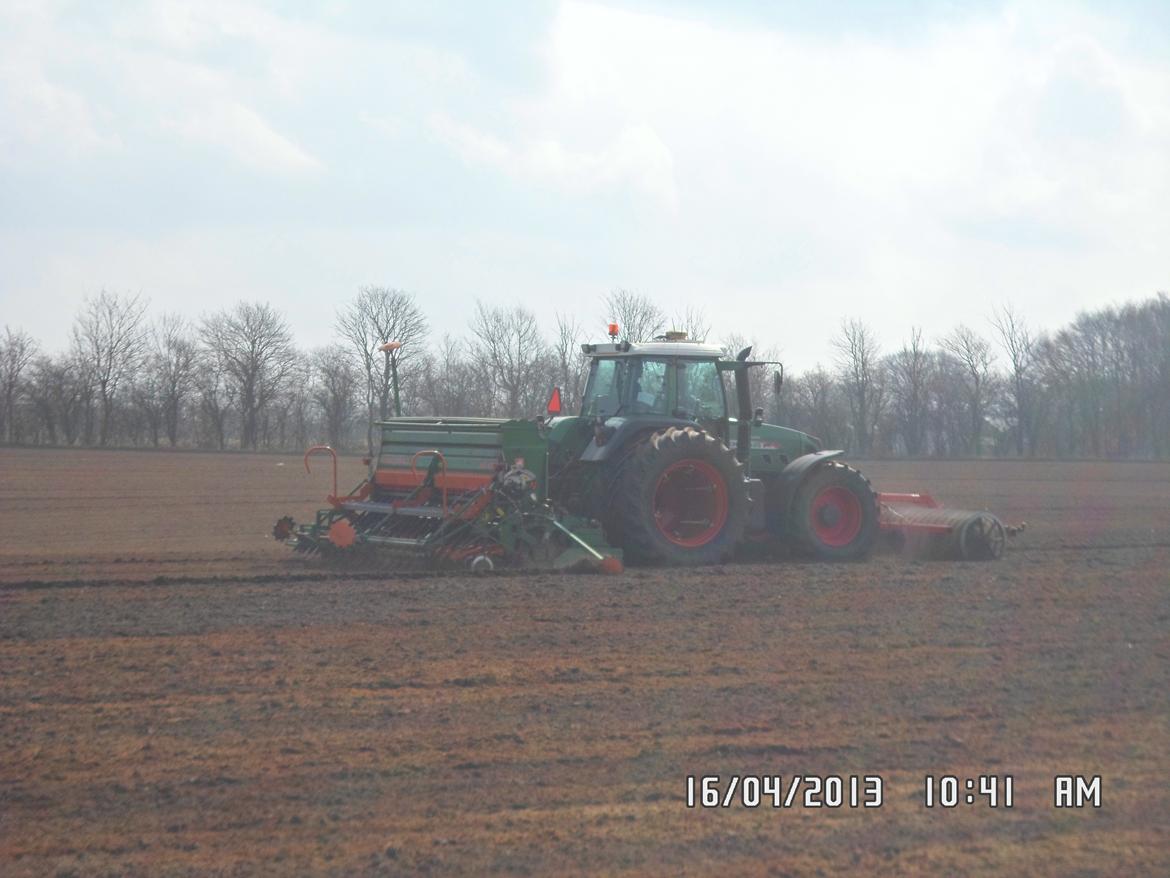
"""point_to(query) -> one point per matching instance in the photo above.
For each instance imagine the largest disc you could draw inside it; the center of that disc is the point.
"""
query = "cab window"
(700, 390)
(649, 392)
(603, 392)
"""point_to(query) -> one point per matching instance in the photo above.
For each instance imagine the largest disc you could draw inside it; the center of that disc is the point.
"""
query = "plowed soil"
(180, 696)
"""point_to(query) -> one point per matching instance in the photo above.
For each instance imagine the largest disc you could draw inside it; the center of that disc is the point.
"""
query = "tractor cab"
(672, 382)
(676, 381)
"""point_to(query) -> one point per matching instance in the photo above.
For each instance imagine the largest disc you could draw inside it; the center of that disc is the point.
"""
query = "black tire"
(834, 515)
(980, 538)
(672, 474)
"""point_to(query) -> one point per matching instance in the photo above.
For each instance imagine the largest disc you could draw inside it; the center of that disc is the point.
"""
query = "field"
(181, 696)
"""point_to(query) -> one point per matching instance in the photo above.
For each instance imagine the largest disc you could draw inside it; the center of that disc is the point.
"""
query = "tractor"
(678, 474)
(667, 462)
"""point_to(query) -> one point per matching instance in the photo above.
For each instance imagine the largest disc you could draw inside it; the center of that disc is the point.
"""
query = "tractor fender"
(625, 431)
(797, 471)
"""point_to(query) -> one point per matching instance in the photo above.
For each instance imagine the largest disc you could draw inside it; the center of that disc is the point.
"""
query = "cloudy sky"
(782, 165)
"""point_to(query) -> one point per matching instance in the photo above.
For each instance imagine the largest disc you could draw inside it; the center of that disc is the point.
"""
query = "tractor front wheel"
(835, 513)
(680, 498)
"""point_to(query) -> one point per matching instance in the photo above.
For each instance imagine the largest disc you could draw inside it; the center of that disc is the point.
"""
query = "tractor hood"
(774, 446)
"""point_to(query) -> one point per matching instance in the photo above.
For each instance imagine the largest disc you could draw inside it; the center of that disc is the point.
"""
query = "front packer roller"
(921, 524)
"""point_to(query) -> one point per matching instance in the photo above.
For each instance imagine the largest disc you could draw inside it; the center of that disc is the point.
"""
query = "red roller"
(920, 522)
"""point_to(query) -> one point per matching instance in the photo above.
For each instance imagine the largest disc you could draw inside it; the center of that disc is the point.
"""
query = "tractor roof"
(654, 349)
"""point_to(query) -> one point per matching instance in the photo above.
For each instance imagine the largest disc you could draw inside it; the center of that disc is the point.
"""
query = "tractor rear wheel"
(679, 498)
(835, 513)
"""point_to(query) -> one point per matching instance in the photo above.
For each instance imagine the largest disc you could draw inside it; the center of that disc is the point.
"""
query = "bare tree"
(1145, 327)
(948, 418)
(217, 396)
(40, 392)
(145, 405)
(508, 342)
(693, 321)
(1099, 386)
(377, 316)
(975, 358)
(336, 390)
(173, 358)
(253, 344)
(111, 338)
(571, 365)
(166, 378)
(446, 379)
(818, 406)
(1020, 346)
(909, 370)
(301, 422)
(860, 369)
(80, 368)
(285, 422)
(482, 388)
(17, 350)
(638, 318)
(57, 391)
(759, 378)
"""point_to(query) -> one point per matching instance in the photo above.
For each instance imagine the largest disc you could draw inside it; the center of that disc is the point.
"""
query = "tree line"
(235, 378)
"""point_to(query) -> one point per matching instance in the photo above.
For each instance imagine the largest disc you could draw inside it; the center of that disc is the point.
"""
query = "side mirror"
(554, 403)
(777, 381)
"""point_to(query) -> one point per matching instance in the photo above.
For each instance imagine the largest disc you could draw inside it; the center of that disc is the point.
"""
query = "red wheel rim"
(690, 503)
(836, 516)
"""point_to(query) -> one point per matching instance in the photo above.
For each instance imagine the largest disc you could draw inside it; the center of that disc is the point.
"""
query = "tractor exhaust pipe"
(743, 396)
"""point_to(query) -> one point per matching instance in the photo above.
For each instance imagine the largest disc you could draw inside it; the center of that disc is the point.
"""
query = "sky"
(782, 166)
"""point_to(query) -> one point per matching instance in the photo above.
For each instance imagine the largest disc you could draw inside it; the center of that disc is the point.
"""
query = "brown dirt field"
(181, 697)
(67, 514)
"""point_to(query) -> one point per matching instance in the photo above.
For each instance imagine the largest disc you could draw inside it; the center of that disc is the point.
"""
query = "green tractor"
(679, 473)
(667, 462)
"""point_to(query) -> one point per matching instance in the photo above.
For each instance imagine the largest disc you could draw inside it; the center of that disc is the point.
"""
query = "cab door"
(699, 396)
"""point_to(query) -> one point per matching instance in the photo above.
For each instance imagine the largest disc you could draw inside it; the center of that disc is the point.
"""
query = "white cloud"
(783, 179)
(636, 158)
(34, 110)
(156, 68)
(968, 167)
(235, 129)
